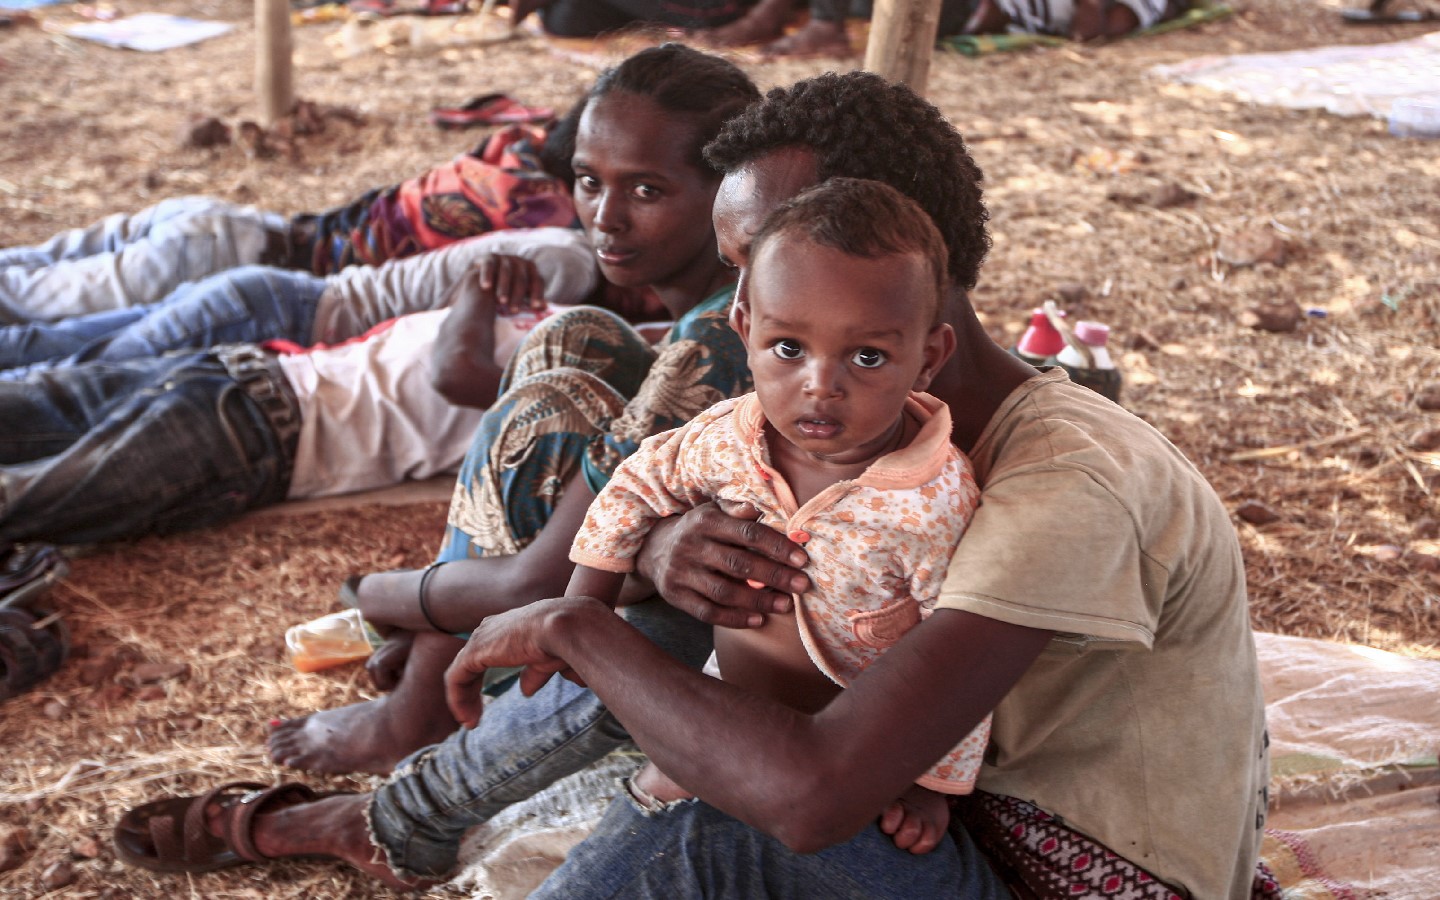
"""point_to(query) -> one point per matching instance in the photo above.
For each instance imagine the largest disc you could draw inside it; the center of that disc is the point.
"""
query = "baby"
(837, 447)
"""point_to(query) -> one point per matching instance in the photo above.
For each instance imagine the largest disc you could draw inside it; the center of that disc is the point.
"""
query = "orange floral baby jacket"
(879, 545)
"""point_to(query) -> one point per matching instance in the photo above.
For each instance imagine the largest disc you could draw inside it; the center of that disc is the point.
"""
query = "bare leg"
(1100, 19)
(333, 826)
(373, 736)
(988, 18)
(816, 37)
(764, 21)
(520, 10)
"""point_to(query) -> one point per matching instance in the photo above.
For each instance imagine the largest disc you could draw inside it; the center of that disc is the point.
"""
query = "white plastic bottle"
(1098, 372)
(1094, 336)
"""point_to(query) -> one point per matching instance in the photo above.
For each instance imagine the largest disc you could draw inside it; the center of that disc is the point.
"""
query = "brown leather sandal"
(171, 835)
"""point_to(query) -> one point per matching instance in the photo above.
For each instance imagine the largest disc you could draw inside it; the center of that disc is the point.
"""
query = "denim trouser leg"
(242, 306)
(521, 746)
(689, 850)
(24, 345)
(102, 451)
(247, 305)
(131, 260)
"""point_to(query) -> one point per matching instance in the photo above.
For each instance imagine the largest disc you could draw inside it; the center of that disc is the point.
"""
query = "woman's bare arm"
(462, 593)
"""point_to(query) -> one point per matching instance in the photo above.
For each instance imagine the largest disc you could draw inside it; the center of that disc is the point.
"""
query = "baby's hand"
(917, 821)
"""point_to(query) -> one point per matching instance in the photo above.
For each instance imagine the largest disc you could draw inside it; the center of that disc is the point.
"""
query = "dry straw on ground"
(1318, 429)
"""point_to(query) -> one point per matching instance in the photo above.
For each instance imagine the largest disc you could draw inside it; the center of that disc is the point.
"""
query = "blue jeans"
(689, 850)
(100, 451)
(521, 746)
(134, 259)
(246, 305)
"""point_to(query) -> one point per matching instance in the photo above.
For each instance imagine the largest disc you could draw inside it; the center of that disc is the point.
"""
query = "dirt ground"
(1322, 439)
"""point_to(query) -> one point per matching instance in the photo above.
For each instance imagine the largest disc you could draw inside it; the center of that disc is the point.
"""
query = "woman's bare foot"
(332, 826)
(368, 737)
(764, 21)
(372, 737)
(814, 38)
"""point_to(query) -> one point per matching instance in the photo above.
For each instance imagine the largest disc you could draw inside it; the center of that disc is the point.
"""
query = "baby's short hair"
(865, 219)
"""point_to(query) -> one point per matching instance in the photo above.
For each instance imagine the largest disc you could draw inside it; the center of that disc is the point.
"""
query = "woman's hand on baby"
(918, 820)
(513, 281)
(725, 570)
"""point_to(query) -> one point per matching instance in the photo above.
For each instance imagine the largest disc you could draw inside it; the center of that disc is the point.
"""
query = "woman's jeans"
(132, 260)
(245, 305)
(521, 746)
(101, 451)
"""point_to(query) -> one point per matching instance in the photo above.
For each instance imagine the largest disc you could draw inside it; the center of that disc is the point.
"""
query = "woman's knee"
(588, 338)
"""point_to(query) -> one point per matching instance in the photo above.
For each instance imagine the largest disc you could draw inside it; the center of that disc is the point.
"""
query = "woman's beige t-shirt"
(1142, 723)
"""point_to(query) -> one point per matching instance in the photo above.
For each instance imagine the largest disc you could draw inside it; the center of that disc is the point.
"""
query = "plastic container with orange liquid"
(329, 641)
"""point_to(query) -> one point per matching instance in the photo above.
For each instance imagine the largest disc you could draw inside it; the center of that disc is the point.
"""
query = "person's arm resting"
(462, 593)
(809, 780)
(464, 369)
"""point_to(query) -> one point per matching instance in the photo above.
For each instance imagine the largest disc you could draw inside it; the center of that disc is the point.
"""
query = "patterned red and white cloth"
(1039, 858)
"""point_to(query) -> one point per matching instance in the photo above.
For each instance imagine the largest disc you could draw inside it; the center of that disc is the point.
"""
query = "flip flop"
(171, 835)
(489, 109)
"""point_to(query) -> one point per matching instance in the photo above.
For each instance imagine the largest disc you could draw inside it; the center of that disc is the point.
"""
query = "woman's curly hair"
(861, 126)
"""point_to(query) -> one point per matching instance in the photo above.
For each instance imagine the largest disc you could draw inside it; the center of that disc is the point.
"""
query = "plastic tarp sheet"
(1351, 80)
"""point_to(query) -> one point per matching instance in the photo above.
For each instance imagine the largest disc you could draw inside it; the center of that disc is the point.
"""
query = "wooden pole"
(902, 39)
(274, 84)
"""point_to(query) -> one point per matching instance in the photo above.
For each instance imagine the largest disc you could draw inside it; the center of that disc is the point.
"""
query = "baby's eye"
(587, 183)
(647, 192)
(788, 349)
(869, 358)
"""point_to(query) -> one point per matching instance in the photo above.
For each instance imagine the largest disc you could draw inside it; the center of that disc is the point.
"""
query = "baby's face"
(836, 343)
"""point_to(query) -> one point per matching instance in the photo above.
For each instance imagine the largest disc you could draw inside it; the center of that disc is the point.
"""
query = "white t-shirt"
(368, 415)
(1142, 723)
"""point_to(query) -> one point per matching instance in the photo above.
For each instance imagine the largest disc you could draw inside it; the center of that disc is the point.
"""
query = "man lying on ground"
(519, 178)
(253, 304)
(106, 450)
